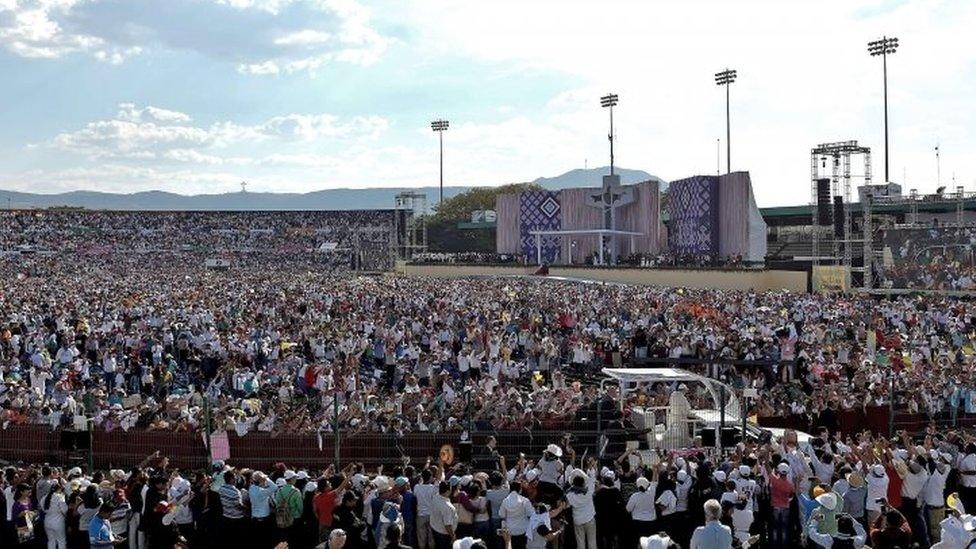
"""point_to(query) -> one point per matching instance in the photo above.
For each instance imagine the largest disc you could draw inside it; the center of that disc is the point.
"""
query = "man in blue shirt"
(714, 534)
(260, 493)
(100, 528)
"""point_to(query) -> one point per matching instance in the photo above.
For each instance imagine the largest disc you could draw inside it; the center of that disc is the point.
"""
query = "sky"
(195, 96)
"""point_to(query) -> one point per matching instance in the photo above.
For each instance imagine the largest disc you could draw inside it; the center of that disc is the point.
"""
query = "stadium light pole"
(440, 126)
(725, 78)
(884, 47)
(607, 102)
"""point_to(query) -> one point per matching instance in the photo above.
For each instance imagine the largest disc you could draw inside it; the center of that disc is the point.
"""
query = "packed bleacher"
(143, 342)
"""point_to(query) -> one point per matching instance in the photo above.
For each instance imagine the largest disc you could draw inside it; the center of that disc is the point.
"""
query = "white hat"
(744, 470)
(901, 453)
(531, 474)
(878, 470)
(74, 472)
(578, 473)
(828, 500)
(642, 482)
(289, 474)
(682, 475)
(301, 475)
(719, 476)
(554, 450)
(465, 543)
(382, 483)
(655, 542)
(783, 467)
(359, 480)
(281, 481)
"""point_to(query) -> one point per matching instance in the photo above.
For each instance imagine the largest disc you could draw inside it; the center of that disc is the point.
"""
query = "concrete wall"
(687, 278)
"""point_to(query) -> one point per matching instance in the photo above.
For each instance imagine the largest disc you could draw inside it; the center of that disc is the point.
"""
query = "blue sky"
(295, 95)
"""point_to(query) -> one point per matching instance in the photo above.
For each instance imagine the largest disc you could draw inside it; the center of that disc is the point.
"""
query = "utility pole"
(725, 78)
(884, 47)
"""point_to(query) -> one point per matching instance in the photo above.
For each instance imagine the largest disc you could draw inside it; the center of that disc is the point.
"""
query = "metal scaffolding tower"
(411, 223)
(839, 155)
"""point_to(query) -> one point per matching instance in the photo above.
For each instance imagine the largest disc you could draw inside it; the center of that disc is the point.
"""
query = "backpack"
(283, 516)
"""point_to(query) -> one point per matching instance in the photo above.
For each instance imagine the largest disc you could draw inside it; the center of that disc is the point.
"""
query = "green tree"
(459, 207)
(443, 234)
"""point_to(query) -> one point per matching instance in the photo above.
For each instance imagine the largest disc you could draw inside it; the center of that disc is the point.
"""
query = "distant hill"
(326, 199)
(594, 178)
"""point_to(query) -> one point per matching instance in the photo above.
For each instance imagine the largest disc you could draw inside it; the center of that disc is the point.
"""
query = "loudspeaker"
(823, 202)
(838, 217)
(75, 440)
(730, 437)
(464, 451)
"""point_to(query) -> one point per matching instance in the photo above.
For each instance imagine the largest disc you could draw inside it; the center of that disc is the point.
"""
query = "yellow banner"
(831, 278)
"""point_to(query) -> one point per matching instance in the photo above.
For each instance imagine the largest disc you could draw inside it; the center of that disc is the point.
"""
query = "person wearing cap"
(288, 509)
(610, 509)
(855, 498)
(782, 490)
(580, 498)
(714, 534)
(850, 533)
(259, 494)
(958, 529)
(100, 534)
(550, 470)
(642, 506)
(877, 481)
(408, 507)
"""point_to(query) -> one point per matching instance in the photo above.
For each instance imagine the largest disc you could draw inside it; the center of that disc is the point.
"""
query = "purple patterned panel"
(693, 209)
(539, 211)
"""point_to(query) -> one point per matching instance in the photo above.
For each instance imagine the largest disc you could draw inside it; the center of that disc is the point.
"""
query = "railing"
(35, 443)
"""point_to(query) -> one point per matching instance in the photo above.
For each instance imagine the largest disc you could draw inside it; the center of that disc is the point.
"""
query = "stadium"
(778, 352)
(282, 341)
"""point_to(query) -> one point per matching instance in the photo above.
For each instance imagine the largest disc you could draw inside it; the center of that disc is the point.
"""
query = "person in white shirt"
(580, 498)
(911, 492)
(967, 476)
(933, 491)
(55, 510)
(642, 506)
(877, 481)
(425, 491)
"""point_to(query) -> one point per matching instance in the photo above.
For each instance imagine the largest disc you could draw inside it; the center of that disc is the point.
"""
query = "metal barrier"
(37, 444)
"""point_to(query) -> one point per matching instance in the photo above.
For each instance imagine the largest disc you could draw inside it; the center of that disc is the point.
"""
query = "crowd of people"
(139, 342)
(829, 491)
(284, 235)
(932, 258)
(282, 341)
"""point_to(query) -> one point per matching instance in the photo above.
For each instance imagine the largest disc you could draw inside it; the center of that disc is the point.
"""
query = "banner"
(831, 278)
(219, 446)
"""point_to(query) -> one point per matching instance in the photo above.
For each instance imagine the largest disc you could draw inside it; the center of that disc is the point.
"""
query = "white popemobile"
(684, 426)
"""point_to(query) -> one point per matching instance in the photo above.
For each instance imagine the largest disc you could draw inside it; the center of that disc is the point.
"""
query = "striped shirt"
(231, 501)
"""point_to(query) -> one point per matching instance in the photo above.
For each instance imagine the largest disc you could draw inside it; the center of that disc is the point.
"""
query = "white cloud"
(804, 78)
(156, 137)
(260, 37)
(303, 37)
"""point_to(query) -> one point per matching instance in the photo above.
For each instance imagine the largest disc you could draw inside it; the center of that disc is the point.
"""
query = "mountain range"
(326, 199)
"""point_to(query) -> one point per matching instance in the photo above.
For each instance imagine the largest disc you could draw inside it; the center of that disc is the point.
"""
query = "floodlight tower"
(725, 78)
(607, 102)
(884, 47)
(440, 126)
